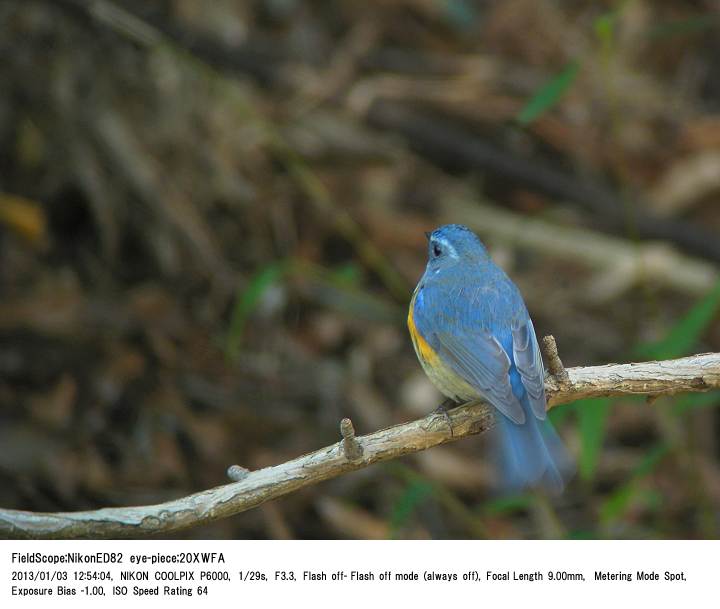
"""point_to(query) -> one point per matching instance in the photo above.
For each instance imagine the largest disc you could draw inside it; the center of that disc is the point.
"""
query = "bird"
(473, 335)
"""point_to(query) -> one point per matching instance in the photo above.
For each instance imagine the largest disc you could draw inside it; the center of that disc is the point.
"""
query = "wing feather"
(528, 361)
(481, 360)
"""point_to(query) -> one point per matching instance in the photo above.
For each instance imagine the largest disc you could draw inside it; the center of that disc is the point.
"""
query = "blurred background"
(211, 223)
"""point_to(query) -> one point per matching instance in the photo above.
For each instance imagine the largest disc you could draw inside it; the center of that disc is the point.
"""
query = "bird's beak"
(427, 235)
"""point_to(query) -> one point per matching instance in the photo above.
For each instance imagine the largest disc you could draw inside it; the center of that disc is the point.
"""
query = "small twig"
(352, 449)
(237, 473)
(555, 364)
(688, 374)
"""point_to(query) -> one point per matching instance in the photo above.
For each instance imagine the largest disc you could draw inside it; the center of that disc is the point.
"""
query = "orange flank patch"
(423, 349)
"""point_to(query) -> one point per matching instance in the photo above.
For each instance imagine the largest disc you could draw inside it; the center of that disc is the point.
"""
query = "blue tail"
(532, 454)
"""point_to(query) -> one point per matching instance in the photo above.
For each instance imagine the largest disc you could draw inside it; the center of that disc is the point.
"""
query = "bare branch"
(668, 377)
(237, 473)
(688, 374)
(552, 356)
(351, 447)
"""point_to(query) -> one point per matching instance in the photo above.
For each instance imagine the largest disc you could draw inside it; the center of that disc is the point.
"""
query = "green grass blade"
(247, 300)
(348, 275)
(508, 504)
(604, 27)
(592, 415)
(548, 95)
(415, 493)
(687, 331)
(560, 413)
(693, 401)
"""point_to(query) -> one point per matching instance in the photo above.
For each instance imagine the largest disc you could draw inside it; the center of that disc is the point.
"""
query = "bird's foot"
(447, 404)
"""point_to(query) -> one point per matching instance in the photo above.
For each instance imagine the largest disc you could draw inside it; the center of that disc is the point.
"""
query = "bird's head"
(453, 243)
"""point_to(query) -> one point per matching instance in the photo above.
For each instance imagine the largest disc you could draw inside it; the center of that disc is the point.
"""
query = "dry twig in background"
(620, 262)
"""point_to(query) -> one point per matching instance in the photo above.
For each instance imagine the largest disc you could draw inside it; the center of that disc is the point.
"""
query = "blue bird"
(474, 338)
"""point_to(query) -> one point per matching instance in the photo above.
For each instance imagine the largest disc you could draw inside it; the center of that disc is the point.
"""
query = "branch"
(653, 379)
(448, 143)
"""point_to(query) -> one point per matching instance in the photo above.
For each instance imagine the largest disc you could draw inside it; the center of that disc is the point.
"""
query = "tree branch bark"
(653, 379)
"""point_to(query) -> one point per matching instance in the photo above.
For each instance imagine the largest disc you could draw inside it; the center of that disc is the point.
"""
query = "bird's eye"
(436, 249)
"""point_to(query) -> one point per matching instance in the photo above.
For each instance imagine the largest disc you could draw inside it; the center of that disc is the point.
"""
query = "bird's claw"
(443, 408)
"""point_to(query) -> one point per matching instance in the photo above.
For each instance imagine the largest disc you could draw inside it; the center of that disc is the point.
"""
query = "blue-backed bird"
(474, 338)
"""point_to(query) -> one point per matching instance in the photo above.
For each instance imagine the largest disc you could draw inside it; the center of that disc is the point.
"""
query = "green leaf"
(548, 95)
(691, 401)
(246, 300)
(604, 26)
(414, 494)
(348, 275)
(683, 336)
(592, 414)
(558, 414)
(508, 503)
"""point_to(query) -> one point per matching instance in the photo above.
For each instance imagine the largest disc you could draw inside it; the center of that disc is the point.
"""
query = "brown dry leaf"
(701, 133)
(24, 217)
(56, 306)
(155, 307)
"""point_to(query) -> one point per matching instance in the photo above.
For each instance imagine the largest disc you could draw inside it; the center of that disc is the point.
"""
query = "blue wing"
(480, 360)
(527, 359)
